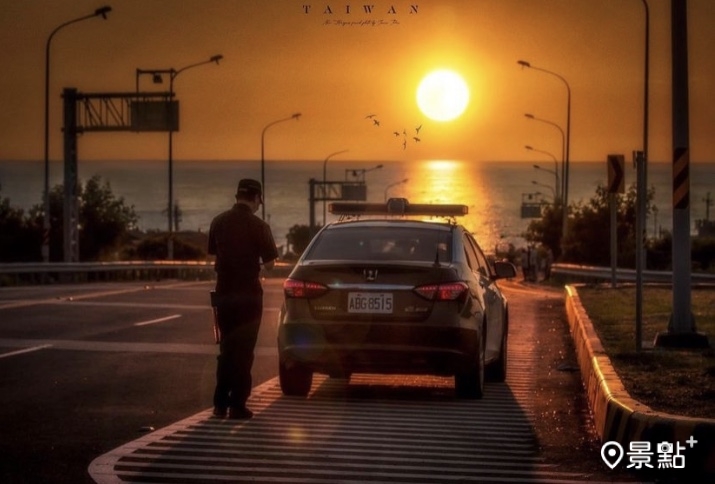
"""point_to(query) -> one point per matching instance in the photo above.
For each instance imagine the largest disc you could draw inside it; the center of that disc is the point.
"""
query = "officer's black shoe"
(239, 413)
(220, 412)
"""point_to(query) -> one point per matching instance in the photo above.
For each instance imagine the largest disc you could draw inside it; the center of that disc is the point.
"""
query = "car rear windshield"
(383, 243)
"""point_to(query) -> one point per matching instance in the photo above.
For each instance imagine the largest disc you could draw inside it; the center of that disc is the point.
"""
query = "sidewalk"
(618, 417)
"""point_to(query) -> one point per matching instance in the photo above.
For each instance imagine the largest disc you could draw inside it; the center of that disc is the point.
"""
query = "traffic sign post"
(616, 184)
(616, 176)
(333, 191)
(641, 194)
(135, 111)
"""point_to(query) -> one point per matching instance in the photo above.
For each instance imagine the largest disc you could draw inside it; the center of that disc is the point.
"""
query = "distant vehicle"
(381, 292)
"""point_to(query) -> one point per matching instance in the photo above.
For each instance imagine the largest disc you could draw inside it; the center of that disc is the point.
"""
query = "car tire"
(295, 380)
(496, 372)
(470, 383)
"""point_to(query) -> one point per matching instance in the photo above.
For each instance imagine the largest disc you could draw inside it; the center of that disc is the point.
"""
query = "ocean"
(493, 190)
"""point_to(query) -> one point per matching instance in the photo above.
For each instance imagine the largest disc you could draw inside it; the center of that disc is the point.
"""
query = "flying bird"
(396, 133)
(416, 139)
(417, 129)
(376, 122)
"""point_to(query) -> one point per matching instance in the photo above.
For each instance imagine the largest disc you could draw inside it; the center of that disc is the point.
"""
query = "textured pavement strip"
(334, 438)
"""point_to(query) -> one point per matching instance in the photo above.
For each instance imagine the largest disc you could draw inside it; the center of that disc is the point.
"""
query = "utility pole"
(681, 328)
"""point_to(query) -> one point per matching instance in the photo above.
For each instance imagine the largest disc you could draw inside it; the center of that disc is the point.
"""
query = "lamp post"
(555, 171)
(565, 194)
(563, 143)
(534, 182)
(295, 116)
(157, 78)
(540, 195)
(394, 184)
(556, 191)
(645, 91)
(100, 12)
(642, 194)
(325, 164)
(359, 174)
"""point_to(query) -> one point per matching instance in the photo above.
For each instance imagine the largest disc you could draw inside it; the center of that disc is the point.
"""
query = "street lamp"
(524, 63)
(325, 164)
(563, 143)
(555, 171)
(645, 90)
(157, 78)
(641, 192)
(394, 184)
(359, 174)
(295, 116)
(534, 182)
(539, 167)
(100, 12)
(539, 194)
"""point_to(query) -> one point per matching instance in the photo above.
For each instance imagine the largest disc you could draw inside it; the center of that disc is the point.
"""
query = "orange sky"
(279, 60)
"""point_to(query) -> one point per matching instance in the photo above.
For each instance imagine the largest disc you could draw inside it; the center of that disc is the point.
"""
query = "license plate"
(370, 302)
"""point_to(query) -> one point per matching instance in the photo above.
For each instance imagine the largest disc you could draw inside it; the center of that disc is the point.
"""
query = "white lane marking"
(26, 350)
(119, 305)
(158, 320)
(129, 347)
(70, 298)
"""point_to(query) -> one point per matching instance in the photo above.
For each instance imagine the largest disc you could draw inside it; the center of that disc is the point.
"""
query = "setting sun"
(442, 95)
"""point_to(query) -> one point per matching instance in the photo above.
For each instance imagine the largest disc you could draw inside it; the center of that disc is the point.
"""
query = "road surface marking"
(159, 320)
(130, 347)
(26, 350)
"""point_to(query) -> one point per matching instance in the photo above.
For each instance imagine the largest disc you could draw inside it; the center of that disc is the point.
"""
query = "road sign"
(155, 115)
(681, 178)
(616, 178)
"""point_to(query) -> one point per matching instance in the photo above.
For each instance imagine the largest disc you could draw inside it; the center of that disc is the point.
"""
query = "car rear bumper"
(378, 348)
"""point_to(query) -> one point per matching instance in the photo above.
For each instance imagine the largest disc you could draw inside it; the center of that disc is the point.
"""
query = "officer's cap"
(249, 186)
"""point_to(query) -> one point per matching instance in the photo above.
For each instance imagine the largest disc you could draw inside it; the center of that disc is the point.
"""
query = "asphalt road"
(86, 369)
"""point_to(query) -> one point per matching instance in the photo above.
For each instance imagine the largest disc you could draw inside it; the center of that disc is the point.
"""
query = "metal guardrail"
(71, 272)
(597, 273)
(14, 273)
(65, 267)
(42, 273)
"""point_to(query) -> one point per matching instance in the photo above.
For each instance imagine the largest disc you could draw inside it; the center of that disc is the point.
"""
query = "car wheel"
(470, 383)
(496, 371)
(295, 380)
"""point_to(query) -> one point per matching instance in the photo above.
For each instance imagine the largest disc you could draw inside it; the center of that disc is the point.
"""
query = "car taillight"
(303, 289)
(450, 291)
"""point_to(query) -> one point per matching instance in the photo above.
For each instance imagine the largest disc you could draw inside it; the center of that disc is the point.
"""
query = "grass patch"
(675, 381)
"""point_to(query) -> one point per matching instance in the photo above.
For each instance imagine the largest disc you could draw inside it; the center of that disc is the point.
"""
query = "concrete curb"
(617, 416)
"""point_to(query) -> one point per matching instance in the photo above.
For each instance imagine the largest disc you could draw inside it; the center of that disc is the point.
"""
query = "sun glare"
(442, 95)
(442, 165)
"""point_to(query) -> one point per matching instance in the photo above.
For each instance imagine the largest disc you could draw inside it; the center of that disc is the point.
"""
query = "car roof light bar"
(397, 206)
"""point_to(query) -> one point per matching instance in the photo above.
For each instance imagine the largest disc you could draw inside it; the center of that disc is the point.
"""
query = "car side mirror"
(504, 270)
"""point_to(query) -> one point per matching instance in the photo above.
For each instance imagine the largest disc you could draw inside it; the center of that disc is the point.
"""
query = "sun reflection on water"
(452, 181)
(491, 191)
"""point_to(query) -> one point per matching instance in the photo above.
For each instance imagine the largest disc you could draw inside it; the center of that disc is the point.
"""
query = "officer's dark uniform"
(240, 240)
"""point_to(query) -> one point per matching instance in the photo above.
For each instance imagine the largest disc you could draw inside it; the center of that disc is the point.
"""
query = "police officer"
(241, 241)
